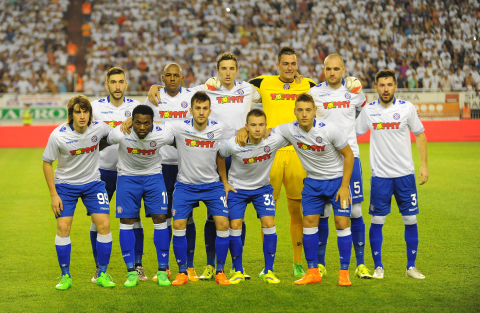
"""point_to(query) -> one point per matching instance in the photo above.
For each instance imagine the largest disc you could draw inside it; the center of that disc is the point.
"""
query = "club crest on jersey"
(266, 149)
(396, 116)
(304, 146)
(348, 96)
(199, 143)
(257, 159)
(153, 144)
(383, 125)
(336, 104)
(319, 139)
(286, 86)
(210, 135)
(128, 113)
(241, 92)
(84, 150)
(184, 104)
(94, 139)
(119, 210)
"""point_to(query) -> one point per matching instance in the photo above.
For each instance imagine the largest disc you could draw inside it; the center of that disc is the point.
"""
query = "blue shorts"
(186, 196)
(356, 182)
(131, 190)
(93, 195)
(316, 193)
(110, 180)
(262, 199)
(403, 188)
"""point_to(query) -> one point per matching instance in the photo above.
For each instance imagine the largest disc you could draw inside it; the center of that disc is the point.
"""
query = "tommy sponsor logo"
(199, 143)
(84, 150)
(141, 151)
(230, 99)
(310, 147)
(336, 105)
(173, 114)
(283, 96)
(384, 125)
(257, 159)
(113, 123)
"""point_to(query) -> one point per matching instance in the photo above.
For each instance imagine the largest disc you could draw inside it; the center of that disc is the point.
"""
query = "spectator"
(27, 115)
(466, 111)
(457, 82)
(86, 11)
(72, 52)
(426, 82)
(402, 82)
(412, 81)
(445, 83)
(470, 83)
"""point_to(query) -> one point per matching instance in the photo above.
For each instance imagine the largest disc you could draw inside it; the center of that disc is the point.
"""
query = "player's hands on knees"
(298, 78)
(126, 125)
(423, 175)
(228, 188)
(344, 195)
(242, 136)
(57, 205)
(153, 94)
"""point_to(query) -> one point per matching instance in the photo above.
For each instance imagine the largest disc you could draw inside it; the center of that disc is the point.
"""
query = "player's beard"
(388, 100)
(113, 95)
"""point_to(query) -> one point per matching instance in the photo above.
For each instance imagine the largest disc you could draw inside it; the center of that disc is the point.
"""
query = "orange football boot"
(222, 279)
(181, 279)
(344, 278)
(192, 275)
(312, 276)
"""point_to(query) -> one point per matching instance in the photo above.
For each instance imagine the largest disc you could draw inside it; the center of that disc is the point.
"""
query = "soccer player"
(76, 146)
(336, 104)
(328, 159)
(112, 111)
(390, 121)
(249, 176)
(140, 176)
(197, 142)
(231, 103)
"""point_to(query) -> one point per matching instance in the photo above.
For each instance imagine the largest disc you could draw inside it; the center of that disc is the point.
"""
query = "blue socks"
(191, 238)
(344, 241)
(236, 249)
(210, 236)
(322, 240)
(376, 240)
(358, 238)
(411, 237)
(310, 245)
(221, 248)
(127, 244)
(63, 246)
(180, 249)
(104, 248)
(269, 247)
(139, 237)
(93, 241)
(162, 244)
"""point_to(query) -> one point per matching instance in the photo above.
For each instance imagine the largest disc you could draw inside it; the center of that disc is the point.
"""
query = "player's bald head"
(173, 64)
(332, 57)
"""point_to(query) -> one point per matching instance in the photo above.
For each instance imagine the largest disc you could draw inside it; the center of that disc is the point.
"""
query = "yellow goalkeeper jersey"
(278, 98)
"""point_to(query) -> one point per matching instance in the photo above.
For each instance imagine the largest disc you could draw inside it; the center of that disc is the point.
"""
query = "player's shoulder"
(257, 81)
(273, 138)
(60, 130)
(309, 82)
(131, 102)
(371, 105)
(403, 103)
(99, 102)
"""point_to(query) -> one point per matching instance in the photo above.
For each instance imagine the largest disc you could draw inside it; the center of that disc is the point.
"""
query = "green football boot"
(298, 270)
(105, 280)
(132, 279)
(65, 283)
(162, 277)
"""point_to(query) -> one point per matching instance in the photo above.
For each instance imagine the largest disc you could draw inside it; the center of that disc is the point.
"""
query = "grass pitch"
(449, 223)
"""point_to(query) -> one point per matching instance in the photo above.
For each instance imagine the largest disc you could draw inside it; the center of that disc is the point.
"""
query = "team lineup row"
(178, 148)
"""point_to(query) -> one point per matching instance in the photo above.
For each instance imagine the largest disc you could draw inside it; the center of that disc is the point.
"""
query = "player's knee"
(356, 210)
(63, 229)
(409, 219)
(159, 218)
(236, 224)
(310, 221)
(268, 222)
(127, 221)
(342, 222)
(103, 226)
(180, 224)
(221, 223)
(379, 219)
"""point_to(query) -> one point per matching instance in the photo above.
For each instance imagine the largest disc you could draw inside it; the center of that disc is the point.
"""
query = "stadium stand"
(431, 44)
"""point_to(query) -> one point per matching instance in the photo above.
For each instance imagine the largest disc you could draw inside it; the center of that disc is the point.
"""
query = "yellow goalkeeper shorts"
(287, 169)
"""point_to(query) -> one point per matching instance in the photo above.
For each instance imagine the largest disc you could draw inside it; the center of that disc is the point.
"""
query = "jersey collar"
(108, 99)
(343, 82)
(225, 89)
(393, 103)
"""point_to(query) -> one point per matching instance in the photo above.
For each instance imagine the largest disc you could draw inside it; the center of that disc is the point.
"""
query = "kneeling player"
(328, 159)
(393, 172)
(140, 176)
(249, 175)
(76, 146)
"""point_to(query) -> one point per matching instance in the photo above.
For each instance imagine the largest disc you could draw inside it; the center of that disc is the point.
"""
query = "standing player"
(140, 176)
(336, 104)
(390, 121)
(112, 111)
(197, 142)
(75, 145)
(328, 159)
(249, 175)
(231, 102)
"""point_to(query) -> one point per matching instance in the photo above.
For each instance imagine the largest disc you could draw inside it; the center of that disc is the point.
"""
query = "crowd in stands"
(431, 44)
